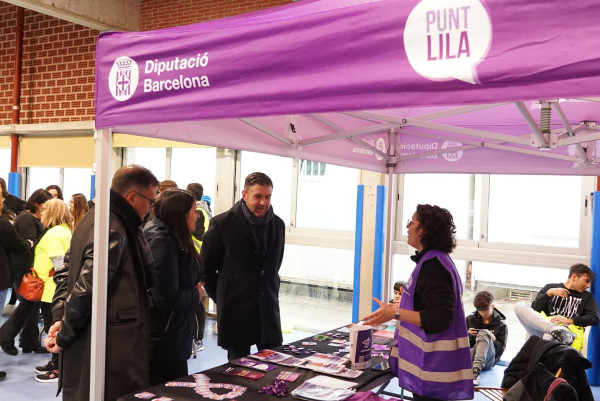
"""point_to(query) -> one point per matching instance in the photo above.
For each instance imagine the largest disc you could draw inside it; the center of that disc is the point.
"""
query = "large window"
(518, 212)
(535, 210)
(41, 177)
(195, 165)
(71, 180)
(326, 196)
(455, 192)
(154, 159)
(77, 180)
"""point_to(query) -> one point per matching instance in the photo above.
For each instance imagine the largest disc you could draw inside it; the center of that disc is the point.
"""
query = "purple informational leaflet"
(289, 376)
(248, 374)
(258, 365)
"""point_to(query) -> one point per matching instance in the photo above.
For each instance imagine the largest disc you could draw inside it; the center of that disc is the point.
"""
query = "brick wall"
(156, 14)
(57, 76)
(58, 70)
(7, 60)
(58, 56)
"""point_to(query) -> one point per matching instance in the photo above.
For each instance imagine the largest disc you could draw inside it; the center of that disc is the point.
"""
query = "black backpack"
(541, 385)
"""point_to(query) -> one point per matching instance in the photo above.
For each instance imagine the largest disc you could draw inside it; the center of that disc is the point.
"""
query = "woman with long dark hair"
(11, 202)
(25, 316)
(177, 289)
(55, 191)
(78, 206)
(431, 355)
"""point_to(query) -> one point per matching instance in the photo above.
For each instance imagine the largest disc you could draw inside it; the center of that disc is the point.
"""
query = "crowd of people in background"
(164, 224)
(167, 253)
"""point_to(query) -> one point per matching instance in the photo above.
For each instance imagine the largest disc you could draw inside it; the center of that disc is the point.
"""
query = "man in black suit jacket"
(242, 252)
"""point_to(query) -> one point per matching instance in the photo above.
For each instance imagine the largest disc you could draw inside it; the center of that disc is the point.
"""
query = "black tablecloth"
(369, 379)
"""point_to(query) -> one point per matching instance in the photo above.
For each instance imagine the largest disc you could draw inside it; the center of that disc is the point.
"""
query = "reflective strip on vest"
(206, 218)
(197, 244)
(433, 376)
(433, 346)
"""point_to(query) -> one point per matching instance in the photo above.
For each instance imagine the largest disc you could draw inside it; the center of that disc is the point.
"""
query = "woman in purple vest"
(431, 354)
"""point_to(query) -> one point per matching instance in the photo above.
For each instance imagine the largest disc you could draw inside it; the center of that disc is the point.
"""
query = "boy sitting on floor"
(487, 334)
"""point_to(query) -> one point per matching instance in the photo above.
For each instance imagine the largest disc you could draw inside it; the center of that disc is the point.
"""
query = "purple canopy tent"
(390, 86)
(435, 75)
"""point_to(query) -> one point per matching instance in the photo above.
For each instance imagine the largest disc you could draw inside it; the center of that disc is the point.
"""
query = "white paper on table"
(327, 381)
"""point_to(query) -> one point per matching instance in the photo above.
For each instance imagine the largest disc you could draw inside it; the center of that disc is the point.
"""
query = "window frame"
(481, 249)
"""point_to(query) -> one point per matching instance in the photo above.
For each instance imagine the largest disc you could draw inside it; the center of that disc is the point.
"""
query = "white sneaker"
(8, 309)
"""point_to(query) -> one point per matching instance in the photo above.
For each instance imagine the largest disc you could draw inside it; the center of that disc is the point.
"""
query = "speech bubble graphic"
(380, 145)
(452, 156)
(447, 39)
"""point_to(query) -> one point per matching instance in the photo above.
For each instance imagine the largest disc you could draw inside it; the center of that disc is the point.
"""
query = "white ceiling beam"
(267, 131)
(521, 140)
(457, 111)
(350, 133)
(50, 129)
(490, 145)
(582, 138)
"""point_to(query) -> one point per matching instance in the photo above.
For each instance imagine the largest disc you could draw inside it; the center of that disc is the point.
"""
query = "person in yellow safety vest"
(201, 227)
(202, 208)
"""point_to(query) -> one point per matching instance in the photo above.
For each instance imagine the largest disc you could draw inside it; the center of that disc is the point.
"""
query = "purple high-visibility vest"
(434, 365)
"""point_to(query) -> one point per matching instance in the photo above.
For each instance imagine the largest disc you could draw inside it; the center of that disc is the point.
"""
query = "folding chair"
(497, 393)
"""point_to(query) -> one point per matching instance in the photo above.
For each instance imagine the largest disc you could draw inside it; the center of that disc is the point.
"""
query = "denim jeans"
(483, 354)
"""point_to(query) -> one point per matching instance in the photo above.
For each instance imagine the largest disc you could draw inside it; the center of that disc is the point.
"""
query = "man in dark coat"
(242, 253)
(132, 195)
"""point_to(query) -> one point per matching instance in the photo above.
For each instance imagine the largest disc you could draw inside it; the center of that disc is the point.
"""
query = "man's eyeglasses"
(151, 201)
(410, 222)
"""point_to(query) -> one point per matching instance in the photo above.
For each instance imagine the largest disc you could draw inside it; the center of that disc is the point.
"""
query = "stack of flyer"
(323, 363)
(279, 358)
(322, 388)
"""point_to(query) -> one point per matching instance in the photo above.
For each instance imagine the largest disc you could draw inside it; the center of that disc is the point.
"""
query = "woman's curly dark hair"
(438, 228)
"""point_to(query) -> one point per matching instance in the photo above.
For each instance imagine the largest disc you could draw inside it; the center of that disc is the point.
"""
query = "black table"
(367, 381)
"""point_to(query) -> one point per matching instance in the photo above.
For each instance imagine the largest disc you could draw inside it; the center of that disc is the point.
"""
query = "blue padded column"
(593, 352)
(13, 184)
(93, 187)
(357, 250)
(378, 247)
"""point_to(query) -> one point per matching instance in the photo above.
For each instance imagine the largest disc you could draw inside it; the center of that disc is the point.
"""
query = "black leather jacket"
(127, 310)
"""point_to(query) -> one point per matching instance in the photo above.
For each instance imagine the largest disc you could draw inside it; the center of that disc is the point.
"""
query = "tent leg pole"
(103, 141)
(389, 233)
